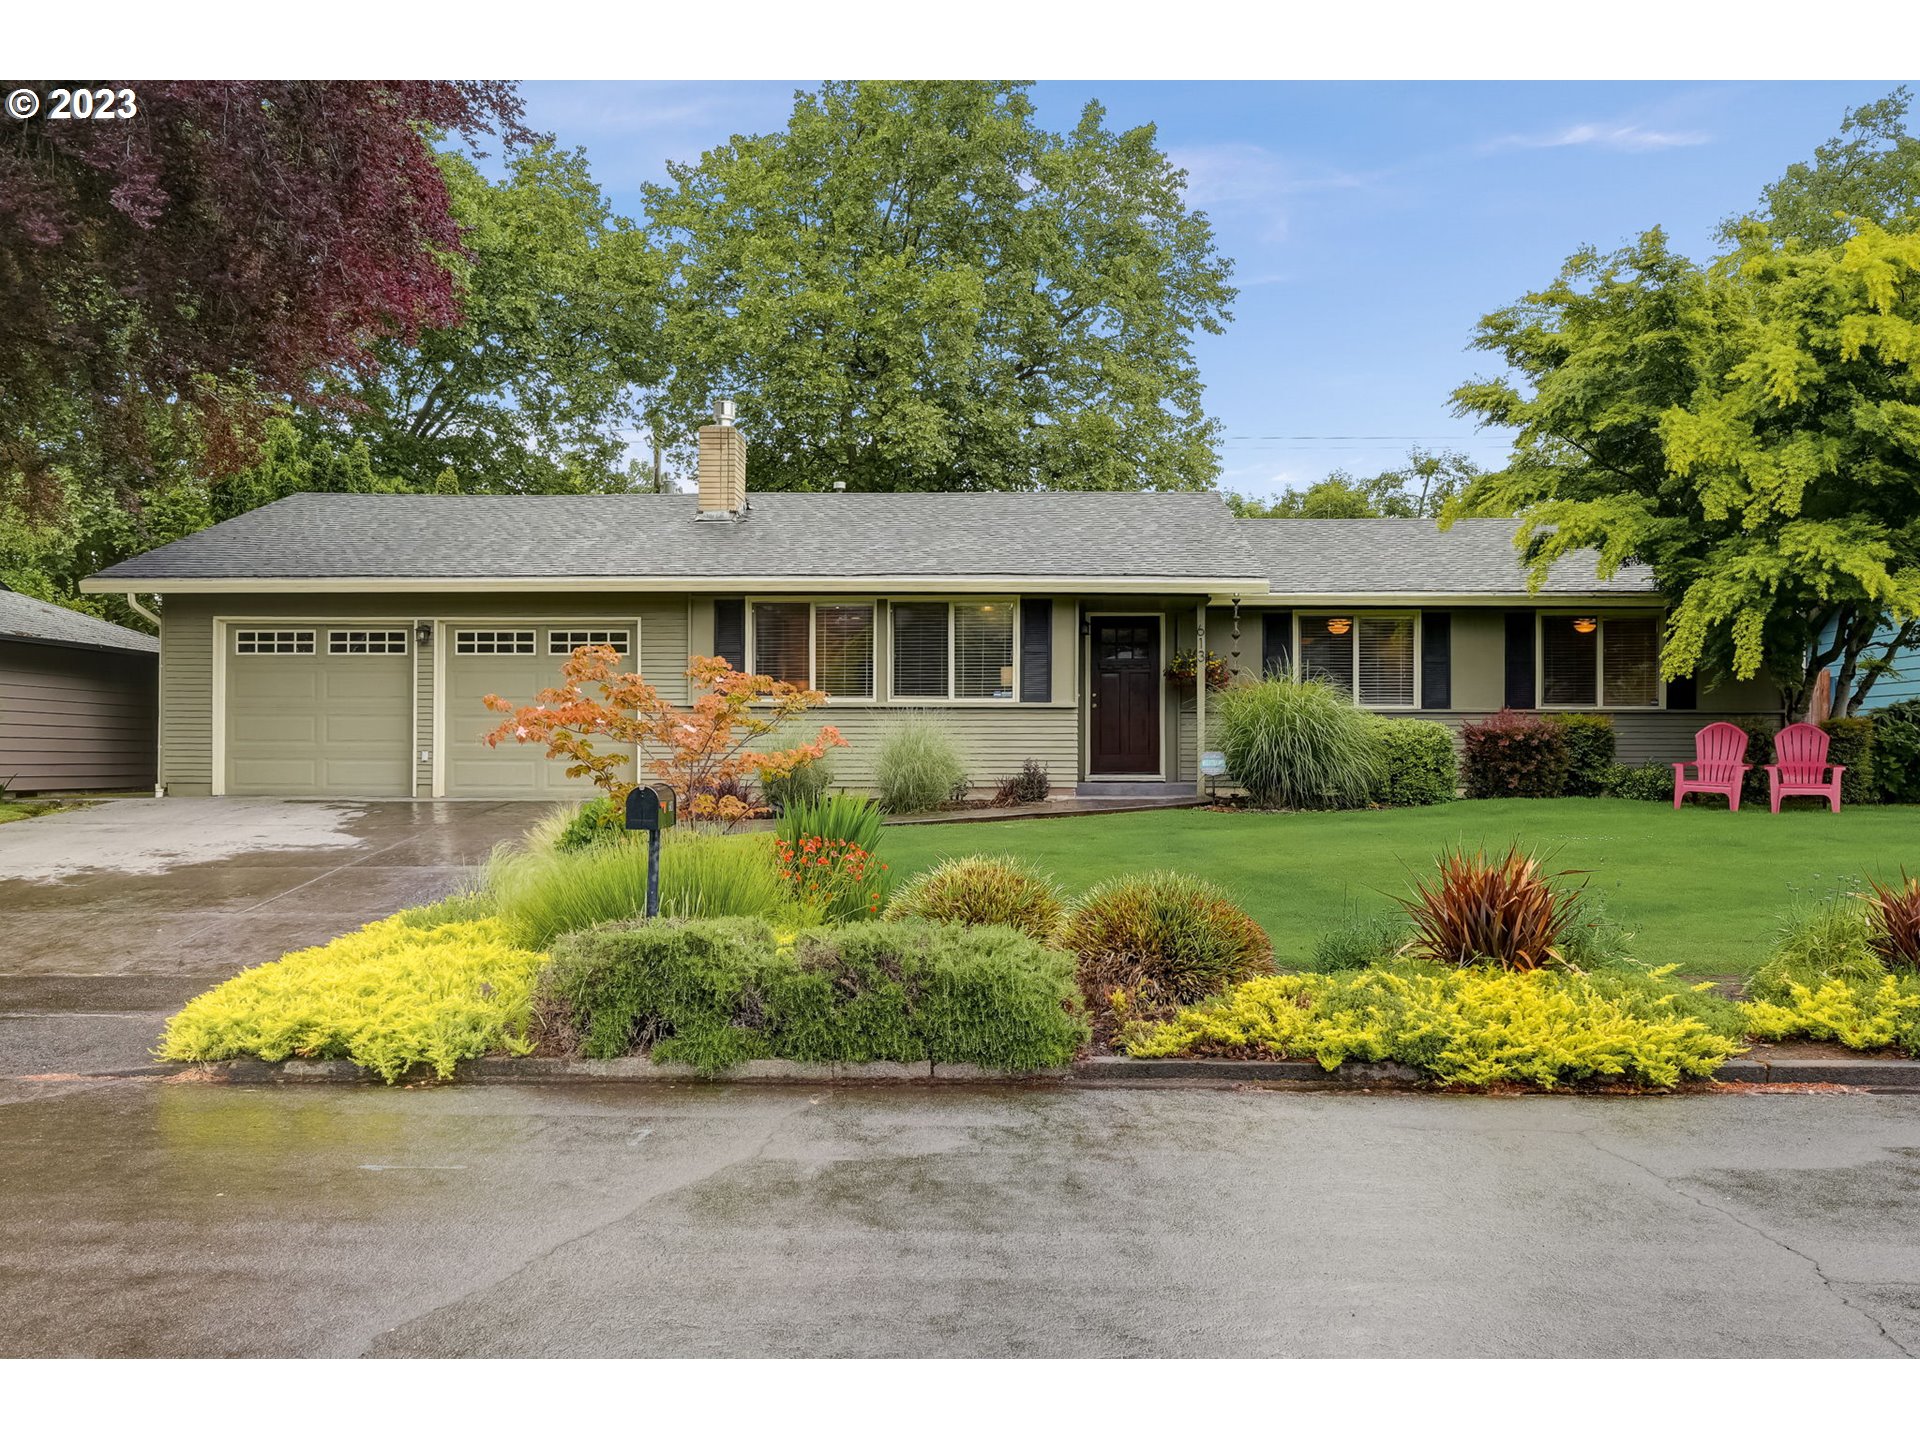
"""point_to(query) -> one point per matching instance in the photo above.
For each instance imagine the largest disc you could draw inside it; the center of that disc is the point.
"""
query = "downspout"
(160, 698)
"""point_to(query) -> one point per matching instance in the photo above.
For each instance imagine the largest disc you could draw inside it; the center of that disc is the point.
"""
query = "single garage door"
(515, 662)
(319, 710)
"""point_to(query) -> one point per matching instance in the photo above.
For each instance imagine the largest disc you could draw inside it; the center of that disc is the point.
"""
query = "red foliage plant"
(1504, 912)
(1512, 753)
(1895, 917)
(704, 752)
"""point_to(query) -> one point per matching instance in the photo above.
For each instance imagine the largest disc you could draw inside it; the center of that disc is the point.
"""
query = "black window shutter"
(1036, 650)
(1520, 660)
(1683, 693)
(730, 632)
(1276, 642)
(1436, 660)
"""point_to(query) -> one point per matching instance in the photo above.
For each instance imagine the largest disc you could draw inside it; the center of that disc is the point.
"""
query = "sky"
(1370, 224)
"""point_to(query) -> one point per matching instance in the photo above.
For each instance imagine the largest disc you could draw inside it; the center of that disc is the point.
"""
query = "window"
(1371, 657)
(920, 649)
(273, 642)
(983, 651)
(843, 650)
(1590, 660)
(565, 642)
(493, 642)
(781, 646)
(366, 642)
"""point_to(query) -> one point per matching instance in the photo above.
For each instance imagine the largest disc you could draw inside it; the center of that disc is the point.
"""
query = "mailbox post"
(651, 808)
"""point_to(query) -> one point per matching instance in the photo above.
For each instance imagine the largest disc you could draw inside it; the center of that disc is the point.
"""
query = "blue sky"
(1371, 224)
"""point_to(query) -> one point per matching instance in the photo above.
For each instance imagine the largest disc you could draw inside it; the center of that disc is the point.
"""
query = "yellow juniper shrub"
(1860, 1014)
(390, 996)
(1466, 1026)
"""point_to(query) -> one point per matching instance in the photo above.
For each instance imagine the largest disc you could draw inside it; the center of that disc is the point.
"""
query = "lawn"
(19, 810)
(1698, 888)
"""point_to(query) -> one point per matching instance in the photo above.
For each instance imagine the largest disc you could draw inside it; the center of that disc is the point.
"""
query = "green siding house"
(339, 645)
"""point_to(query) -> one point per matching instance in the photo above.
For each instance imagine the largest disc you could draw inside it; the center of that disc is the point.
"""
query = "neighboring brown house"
(78, 700)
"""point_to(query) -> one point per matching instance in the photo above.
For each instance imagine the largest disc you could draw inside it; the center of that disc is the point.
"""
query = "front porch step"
(1134, 789)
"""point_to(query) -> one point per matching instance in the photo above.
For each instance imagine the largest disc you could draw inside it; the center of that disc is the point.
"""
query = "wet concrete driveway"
(114, 914)
(140, 1217)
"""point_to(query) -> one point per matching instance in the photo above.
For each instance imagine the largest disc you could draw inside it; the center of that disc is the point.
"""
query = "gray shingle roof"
(1415, 557)
(1064, 535)
(24, 618)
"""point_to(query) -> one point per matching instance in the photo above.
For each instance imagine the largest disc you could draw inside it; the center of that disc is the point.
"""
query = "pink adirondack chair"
(1800, 766)
(1719, 764)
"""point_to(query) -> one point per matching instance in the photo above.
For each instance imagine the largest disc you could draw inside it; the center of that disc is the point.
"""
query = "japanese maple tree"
(706, 752)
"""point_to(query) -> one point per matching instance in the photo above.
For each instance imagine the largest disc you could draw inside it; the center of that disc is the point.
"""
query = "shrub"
(391, 996)
(1362, 938)
(852, 818)
(602, 819)
(1418, 763)
(805, 784)
(1850, 743)
(983, 890)
(1590, 748)
(834, 879)
(1896, 753)
(714, 993)
(1298, 744)
(917, 768)
(464, 905)
(1160, 940)
(1651, 781)
(1514, 754)
(1466, 1027)
(1753, 786)
(1502, 912)
(1028, 785)
(1893, 917)
(541, 897)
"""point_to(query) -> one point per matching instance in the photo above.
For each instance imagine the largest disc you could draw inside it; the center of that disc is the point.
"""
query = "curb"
(1095, 1072)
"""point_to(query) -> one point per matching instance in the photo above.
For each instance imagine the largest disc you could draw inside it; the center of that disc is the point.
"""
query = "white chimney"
(723, 466)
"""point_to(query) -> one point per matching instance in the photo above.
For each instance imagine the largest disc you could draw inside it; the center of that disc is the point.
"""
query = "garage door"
(515, 662)
(319, 710)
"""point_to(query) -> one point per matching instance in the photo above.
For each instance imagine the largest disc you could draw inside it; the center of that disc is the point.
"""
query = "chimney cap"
(723, 411)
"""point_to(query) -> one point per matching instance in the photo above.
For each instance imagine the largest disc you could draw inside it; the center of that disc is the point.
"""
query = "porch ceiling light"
(1586, 625)
(1338, 624)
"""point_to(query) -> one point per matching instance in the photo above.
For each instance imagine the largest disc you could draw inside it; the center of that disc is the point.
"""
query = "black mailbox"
(650, 808)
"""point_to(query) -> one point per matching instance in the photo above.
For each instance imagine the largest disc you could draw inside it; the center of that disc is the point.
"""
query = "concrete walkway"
(113, 915)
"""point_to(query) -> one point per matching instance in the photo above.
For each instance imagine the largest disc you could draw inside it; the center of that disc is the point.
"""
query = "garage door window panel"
(565, 642)
(493, 642)
(273, 642)
(366, 642)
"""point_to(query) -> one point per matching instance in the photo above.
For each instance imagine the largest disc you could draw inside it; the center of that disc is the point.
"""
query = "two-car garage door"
(328, 710)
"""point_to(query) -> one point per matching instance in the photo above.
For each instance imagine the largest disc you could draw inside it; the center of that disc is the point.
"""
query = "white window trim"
(1300, 617)
(950, 698)
(813, 640)
(1599, 661)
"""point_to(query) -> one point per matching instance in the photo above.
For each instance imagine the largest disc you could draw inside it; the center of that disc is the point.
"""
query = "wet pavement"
(147, 1218)
(113, 915)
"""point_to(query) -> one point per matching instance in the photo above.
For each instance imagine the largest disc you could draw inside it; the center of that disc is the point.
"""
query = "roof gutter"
(682, 584)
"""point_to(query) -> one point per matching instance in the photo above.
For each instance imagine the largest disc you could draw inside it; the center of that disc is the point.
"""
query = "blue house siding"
(1901, 683)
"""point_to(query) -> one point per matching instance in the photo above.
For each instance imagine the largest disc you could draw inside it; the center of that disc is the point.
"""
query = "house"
(78, 697)
(341, 644)
(1900, 682)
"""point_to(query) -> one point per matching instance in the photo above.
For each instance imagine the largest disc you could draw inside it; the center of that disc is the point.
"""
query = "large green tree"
(1869, 171)
(1749, 428)
(916, 287)
(538, 388)
(1418, 490)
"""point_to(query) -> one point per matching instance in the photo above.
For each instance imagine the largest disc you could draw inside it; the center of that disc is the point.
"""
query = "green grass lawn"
(1698, 888)
(19, 810)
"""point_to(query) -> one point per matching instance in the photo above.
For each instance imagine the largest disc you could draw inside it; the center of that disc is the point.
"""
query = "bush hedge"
(1418, 765)
(1466, 1027)
(1514, 754)
(713, 993)
(1651, 781)
(1850, 742)
(983, 890)
(1590, 751)
(1896, 752)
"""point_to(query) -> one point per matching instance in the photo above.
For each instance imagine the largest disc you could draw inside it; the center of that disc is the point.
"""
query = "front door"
(1124, 726)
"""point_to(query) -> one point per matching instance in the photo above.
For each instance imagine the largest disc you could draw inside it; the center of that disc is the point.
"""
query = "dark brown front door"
(1125, 701)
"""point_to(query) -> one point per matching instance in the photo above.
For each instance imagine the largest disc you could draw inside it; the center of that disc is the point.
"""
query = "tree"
(534, 390)
(1420, 489)
(167, 277)
(915, 287)
(704, 752)
(1870, 171)
(1750, 429)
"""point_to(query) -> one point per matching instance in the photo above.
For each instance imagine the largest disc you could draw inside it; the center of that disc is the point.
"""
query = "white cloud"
(1242, 178)
(1603, 135)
